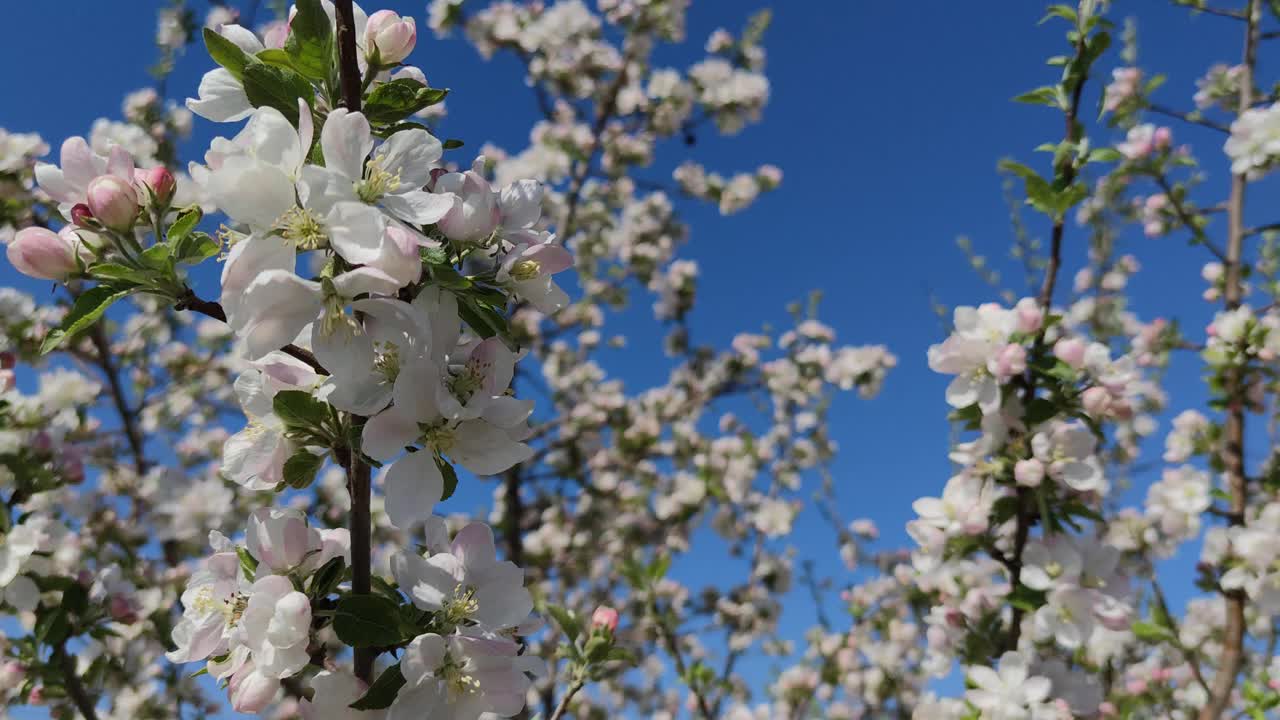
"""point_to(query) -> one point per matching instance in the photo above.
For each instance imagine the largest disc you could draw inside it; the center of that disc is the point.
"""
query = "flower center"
(458, 683)
(462, 606)
(526, 270)
(377, 182)
(335, 306)
(439, 437)
(301, 227)
(387, 362)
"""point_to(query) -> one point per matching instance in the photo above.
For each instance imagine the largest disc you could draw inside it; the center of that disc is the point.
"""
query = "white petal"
(422, 658)
(417, 207)
(222, 98)
(346, 142)
(413, 487)
(521, 203)
(251, 192)
(410, 153)
(486, 450)
(355, 231)
(387, 433)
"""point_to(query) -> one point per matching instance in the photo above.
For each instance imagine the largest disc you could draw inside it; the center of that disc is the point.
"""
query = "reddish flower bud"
(159, 180)
(605, 617)
(82, 216)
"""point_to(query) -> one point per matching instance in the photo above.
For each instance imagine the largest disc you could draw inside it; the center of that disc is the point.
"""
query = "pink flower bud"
(251, 691)
(1163, 138)
(159, 180)
(1070, 351)
(1107, 709)
(275, 35)
(1028, 473)
(475, 213)
(389, 38)
(1030, 316)
(605, 617)
(82, 216)
(113, 202)
(12, 674)
(122, 610)
(42, 253)
(1096, 401)
(1010, 361)
(36, 696)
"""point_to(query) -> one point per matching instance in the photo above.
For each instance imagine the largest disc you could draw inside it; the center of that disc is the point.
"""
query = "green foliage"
(310, 42)
(395, 100)
(383, 691)
(370, 621)
(301, 468)
(86, 311)
(273, 86)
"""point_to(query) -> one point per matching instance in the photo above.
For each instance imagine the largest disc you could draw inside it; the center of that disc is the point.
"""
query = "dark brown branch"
(358, 472)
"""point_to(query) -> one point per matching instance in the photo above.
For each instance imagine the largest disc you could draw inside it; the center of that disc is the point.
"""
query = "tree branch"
(75, 690)
(358, 472)
(1232, 657)
(212, 309)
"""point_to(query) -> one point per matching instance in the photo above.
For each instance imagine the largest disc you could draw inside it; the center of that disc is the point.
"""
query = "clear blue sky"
(887, 118)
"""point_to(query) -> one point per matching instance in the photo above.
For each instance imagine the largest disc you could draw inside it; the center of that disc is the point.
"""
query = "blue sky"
(887, 118)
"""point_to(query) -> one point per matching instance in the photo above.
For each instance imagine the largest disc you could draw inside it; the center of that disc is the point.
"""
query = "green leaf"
(116, 271)
(1050, 95)
(382, 692)
(1151, 632)
(195, 248)
(367, 621)
(297, 409)
(1105, 155)
(248, 563)
(450, 477)
(452, 144)
(310, 41)
(597, 648)
(301, 468)
(226, 53)
(396, 100)
(52, 626)
(86, 310)
(277, 57)
(272, 86)
(1026, 599)
(624, 655)
(157, 257)
(658, 569)
(186, 222)
(328, 577)
(566, 620)
(1039, 410)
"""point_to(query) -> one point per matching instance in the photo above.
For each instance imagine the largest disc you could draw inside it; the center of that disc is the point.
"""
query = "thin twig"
(564, 701)
(1193, 118)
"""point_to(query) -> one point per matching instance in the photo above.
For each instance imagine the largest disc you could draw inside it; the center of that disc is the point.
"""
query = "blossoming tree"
(239, 492)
